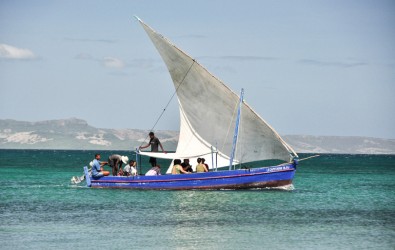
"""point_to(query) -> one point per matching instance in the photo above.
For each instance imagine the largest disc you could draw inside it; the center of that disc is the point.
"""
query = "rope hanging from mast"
(171, 98)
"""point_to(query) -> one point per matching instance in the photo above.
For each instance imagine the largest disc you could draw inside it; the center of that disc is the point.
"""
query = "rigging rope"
(313, 156)
(171, 98)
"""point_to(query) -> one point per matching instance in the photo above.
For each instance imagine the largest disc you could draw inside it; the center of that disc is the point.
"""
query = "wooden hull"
(266, 177)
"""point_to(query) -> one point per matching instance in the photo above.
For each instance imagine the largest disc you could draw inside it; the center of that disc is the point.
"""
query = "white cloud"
(108, 61)
(11, 52)
(90, 40)
(344, 64)
(84, 56)
(112, 62)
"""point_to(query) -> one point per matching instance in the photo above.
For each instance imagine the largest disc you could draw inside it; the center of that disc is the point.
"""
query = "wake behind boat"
(204, 98)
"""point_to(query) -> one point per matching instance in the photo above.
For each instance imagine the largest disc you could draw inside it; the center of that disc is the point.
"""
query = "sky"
(324, 68)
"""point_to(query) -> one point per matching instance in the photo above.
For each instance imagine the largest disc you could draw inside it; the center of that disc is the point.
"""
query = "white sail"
(207, 112)
(191, 146)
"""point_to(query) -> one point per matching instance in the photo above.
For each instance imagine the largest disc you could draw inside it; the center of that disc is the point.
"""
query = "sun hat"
(125, 159)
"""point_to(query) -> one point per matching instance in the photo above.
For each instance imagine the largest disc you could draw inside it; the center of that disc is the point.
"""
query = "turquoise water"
(339, 202)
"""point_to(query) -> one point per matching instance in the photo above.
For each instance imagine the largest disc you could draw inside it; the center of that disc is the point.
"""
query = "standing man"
(154, 142)
(115, 162)
(97, 167)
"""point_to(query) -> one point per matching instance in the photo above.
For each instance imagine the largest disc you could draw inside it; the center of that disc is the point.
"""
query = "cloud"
(241, 58)
(192, 36)
(112, 62)
(14, 53)
(331, 64)
(144, 63)
(108, 61)
(84, 56)
(90, 40)
(248, 58)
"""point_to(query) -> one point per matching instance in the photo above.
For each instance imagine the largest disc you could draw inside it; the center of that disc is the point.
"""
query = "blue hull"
(276, 176)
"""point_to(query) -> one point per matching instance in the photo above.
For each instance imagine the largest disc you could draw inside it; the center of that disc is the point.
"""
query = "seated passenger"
(154, 171)
(97, 167)
(201, 168)
(130, 169)
(186, 166)
(203, 160)
(177, 169)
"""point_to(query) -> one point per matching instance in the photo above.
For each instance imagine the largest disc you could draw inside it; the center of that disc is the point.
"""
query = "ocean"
(338, 202)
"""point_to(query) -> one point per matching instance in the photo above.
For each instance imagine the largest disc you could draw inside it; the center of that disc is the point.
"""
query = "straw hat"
(125, 159)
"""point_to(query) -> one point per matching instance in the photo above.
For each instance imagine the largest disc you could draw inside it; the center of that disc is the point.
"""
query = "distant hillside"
(74, 134)
(78, 134)
(340, 144)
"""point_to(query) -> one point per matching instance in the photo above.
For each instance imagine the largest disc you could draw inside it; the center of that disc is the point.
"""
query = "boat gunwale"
(134, 180)
(245, 186)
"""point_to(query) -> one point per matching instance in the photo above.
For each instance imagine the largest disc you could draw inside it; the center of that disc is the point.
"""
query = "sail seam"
(182, 81)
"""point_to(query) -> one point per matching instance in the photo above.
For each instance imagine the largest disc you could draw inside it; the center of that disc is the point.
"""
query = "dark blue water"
(339, 202)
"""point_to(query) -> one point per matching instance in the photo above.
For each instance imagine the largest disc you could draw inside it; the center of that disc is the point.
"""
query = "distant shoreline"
(123, 150)
(77, 134)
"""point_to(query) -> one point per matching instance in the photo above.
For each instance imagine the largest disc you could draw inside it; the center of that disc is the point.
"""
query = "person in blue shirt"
(97, 167)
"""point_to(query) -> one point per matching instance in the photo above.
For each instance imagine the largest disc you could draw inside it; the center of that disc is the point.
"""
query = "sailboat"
(209, 112)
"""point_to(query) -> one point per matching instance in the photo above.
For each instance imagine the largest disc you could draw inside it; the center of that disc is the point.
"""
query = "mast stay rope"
(171, 98)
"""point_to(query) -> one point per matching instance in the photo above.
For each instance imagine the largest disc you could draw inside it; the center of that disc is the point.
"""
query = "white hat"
(91, 163)
(125, 159)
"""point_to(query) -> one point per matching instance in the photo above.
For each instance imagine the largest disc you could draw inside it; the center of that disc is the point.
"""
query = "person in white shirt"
(130, 169)
(154, 171)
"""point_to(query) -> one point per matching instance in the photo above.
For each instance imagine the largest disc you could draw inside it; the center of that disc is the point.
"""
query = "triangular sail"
(191, 146)
(208, 106)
